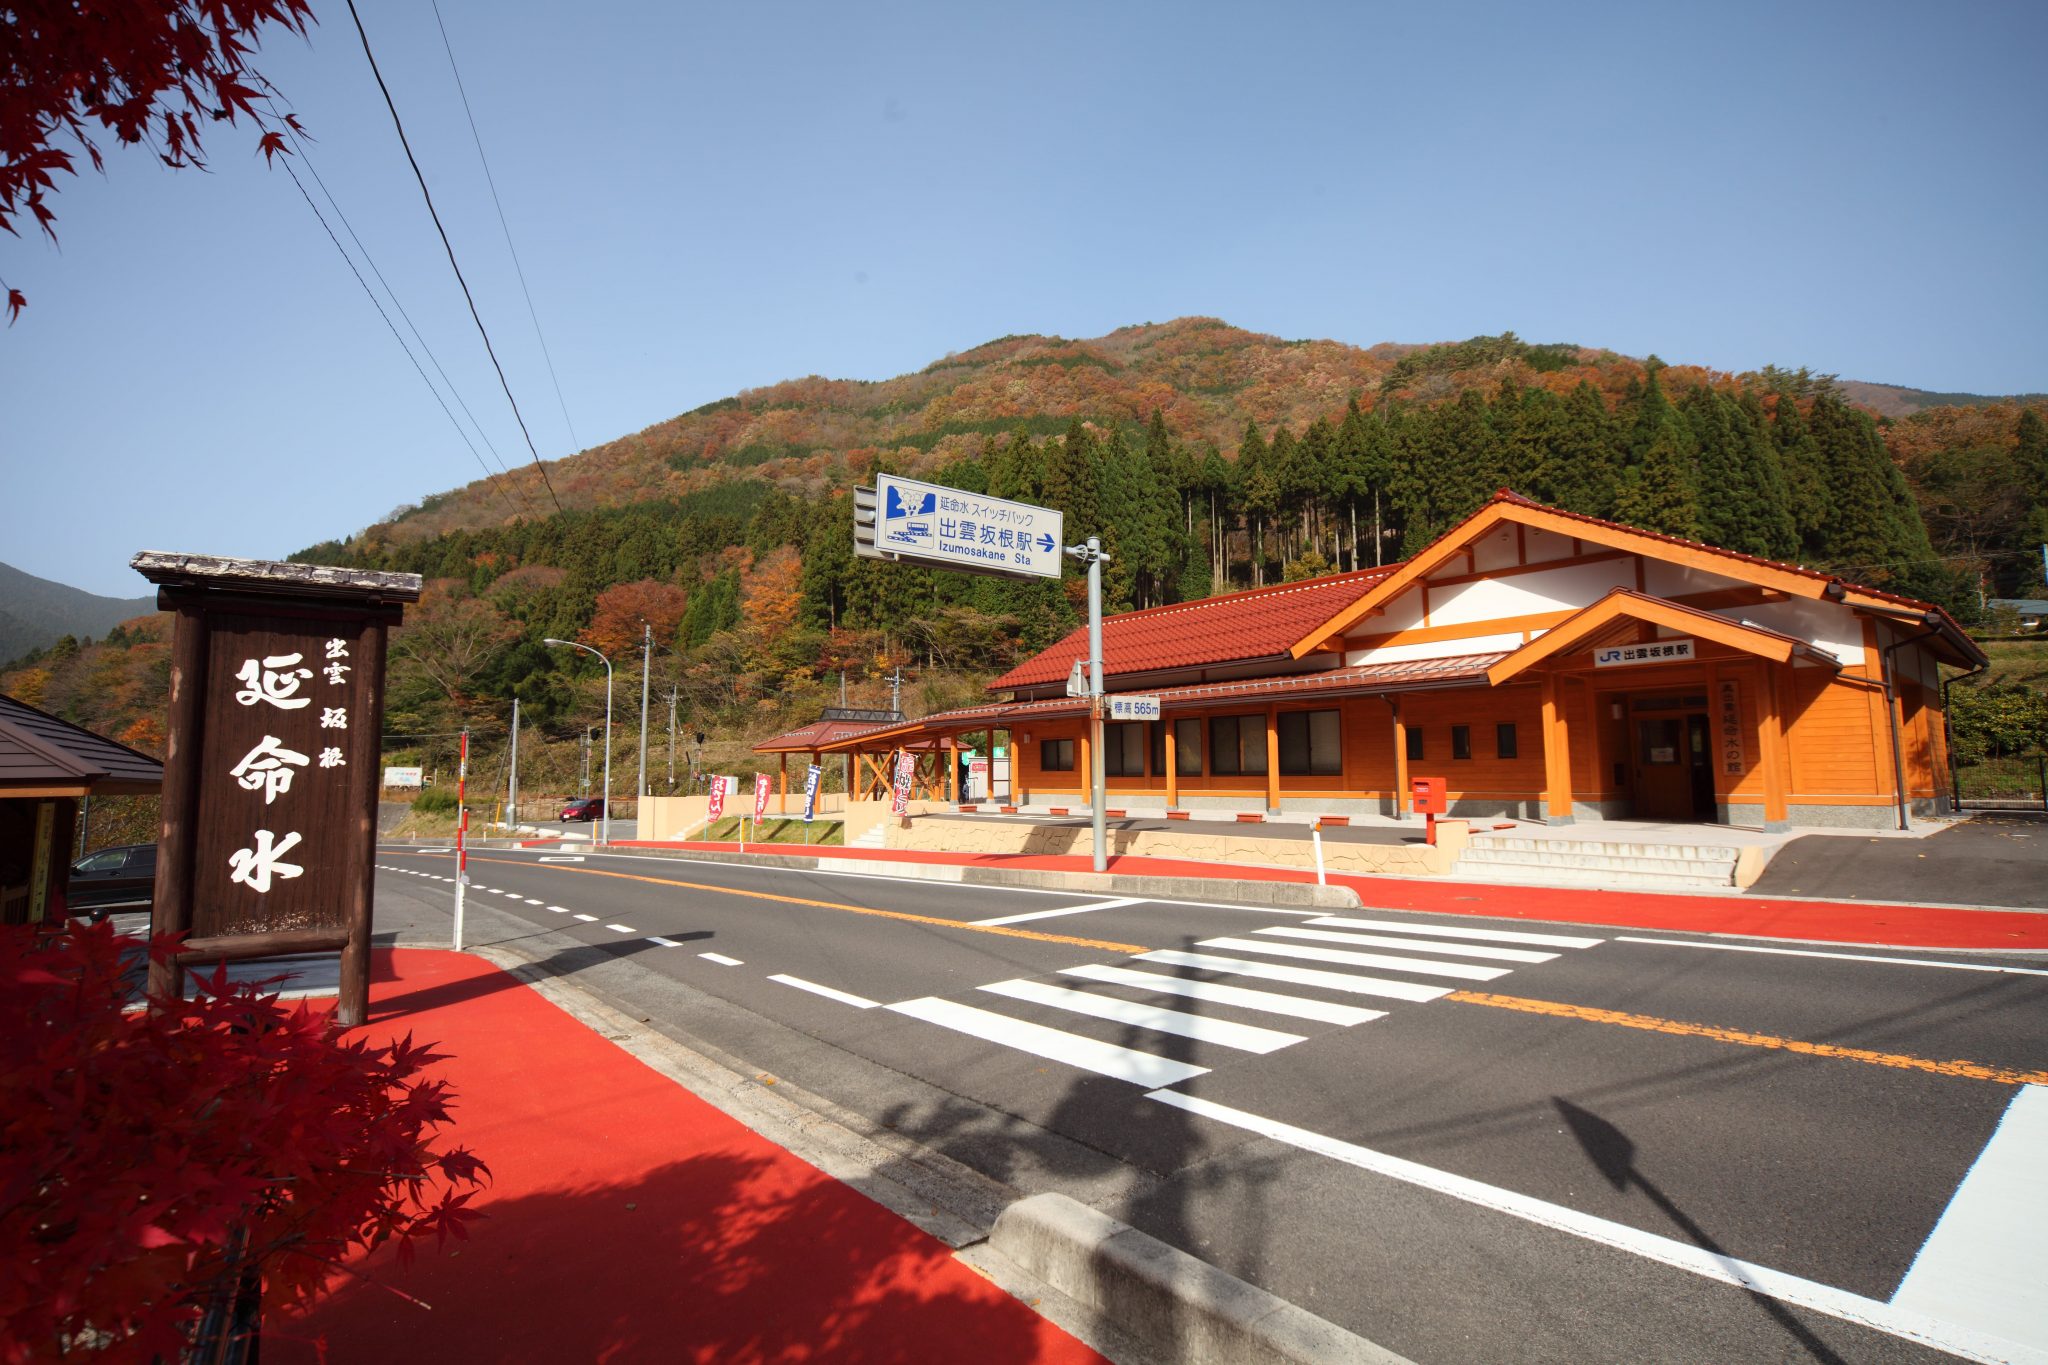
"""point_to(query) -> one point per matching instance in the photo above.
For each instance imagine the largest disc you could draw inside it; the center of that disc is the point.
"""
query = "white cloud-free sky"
(707, 198)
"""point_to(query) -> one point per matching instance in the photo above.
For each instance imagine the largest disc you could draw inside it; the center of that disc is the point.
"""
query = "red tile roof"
(1260, 624)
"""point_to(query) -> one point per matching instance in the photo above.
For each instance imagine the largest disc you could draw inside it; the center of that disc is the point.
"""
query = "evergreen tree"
(1259, 494)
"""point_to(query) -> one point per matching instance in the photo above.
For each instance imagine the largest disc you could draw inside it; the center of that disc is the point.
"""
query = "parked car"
(583, 808)
(120, 878)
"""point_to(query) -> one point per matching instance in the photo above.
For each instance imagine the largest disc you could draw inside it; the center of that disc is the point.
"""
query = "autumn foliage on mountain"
(1207, 457)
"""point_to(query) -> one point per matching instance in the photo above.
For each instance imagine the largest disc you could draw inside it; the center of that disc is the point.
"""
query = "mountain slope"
(35, 612)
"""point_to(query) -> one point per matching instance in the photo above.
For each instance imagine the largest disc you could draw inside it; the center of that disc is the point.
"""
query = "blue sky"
(708, 198)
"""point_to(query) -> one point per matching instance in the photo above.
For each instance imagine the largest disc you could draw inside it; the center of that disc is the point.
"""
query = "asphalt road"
(1997, 860)
(1461, 1141)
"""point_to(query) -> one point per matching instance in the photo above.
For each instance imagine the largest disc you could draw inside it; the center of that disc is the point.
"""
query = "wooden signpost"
(271, 777)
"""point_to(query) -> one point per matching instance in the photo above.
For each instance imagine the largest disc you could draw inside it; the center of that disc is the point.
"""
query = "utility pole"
(512, 787)
(896, 689)
(646, 665)
(671, 739)
(1097, 798)
(586, 760)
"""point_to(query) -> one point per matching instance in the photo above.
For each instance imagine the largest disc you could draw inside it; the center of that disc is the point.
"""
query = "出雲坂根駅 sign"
(906, 519)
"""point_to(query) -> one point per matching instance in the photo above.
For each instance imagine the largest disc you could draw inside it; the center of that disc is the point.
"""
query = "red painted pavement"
(630, 1221)
(1901, 926)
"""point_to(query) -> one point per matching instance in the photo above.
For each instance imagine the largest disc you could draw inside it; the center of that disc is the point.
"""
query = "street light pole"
(604, 829)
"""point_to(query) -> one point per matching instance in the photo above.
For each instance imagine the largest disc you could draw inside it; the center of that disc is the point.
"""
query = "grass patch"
(778, 830)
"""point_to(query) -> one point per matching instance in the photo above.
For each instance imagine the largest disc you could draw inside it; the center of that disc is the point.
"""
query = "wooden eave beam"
(1616, 607)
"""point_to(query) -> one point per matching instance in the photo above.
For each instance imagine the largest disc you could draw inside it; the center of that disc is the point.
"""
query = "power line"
(399, 304)
(575, 442)
(449, 247)
(489, 477)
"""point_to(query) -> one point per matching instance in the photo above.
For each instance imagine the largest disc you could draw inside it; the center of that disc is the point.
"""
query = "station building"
(1549, 665)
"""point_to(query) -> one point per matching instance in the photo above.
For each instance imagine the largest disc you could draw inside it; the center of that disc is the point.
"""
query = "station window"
(1056, 755)
(1414, 743)
(1504, 741)
(1237, 745)
(1309, 743)
(1461, 741)
(1187, 748)
(1123, 749)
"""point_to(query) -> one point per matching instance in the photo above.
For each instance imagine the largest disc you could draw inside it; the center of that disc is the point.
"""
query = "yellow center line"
(1004, 931)
(1970, 1070)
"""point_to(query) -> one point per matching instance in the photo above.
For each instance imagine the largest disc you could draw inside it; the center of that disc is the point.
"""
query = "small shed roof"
(46, 756)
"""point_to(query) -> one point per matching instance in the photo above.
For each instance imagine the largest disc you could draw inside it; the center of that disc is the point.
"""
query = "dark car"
(113, 879)
(583, 808)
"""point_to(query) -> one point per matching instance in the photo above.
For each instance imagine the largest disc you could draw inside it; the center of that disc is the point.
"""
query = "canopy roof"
(45, 756)
(1627, 609)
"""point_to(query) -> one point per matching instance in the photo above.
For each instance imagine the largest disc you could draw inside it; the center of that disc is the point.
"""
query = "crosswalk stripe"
(1271, 1002)
(587, 919)
(620, 928)
(664, 942)
(1054, 914)
(720, 958)
(1446, 931)
(1413, 944)
(1300, 976)
(1421, 966)
(1105, 1059)
(1243, 1037)
(860, 1002)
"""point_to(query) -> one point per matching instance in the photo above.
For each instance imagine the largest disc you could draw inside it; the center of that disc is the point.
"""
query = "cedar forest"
(1206, 457)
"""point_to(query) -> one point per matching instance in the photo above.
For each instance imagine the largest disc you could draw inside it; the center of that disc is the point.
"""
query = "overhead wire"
(449, 247)
(376, 303)
(306, 160)
(574, 441)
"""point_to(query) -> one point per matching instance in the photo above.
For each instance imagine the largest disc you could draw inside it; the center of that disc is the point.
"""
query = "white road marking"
(1844, 957)
(561, 909)
(1839, 1303)
(1414, 944)
(577, 859)
(1243, 1037)
(1394, 926)
(531, 901)
(1063, 910)
(1299, 976)
(620, 928)
(664, 942)
(859, 1002)
(587, 919)
(720, 958)
(1105, 1059)
(1421, 966)
(1982, 1264)
(1244, 998)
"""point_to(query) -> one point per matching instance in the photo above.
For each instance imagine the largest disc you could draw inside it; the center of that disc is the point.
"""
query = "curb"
(1164, 1296)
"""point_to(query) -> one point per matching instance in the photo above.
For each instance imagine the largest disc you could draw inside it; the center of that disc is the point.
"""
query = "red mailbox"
(1432, 795)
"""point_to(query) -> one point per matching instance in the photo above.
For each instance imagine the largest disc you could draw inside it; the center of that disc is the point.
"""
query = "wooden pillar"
(1272, 758)
(1770, 735)
(352, 996)
(1172, 773)
(782, 789)
(1400, 758)
(1085, 769)
(1557, 757)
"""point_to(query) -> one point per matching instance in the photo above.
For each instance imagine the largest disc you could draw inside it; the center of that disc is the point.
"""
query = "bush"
(434, 801)
(153, 1160)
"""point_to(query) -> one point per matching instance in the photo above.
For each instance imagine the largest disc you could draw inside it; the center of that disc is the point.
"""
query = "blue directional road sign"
(957, 530)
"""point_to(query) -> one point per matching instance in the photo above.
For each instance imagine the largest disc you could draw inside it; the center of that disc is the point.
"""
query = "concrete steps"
(878, 837)
(1597, 863)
